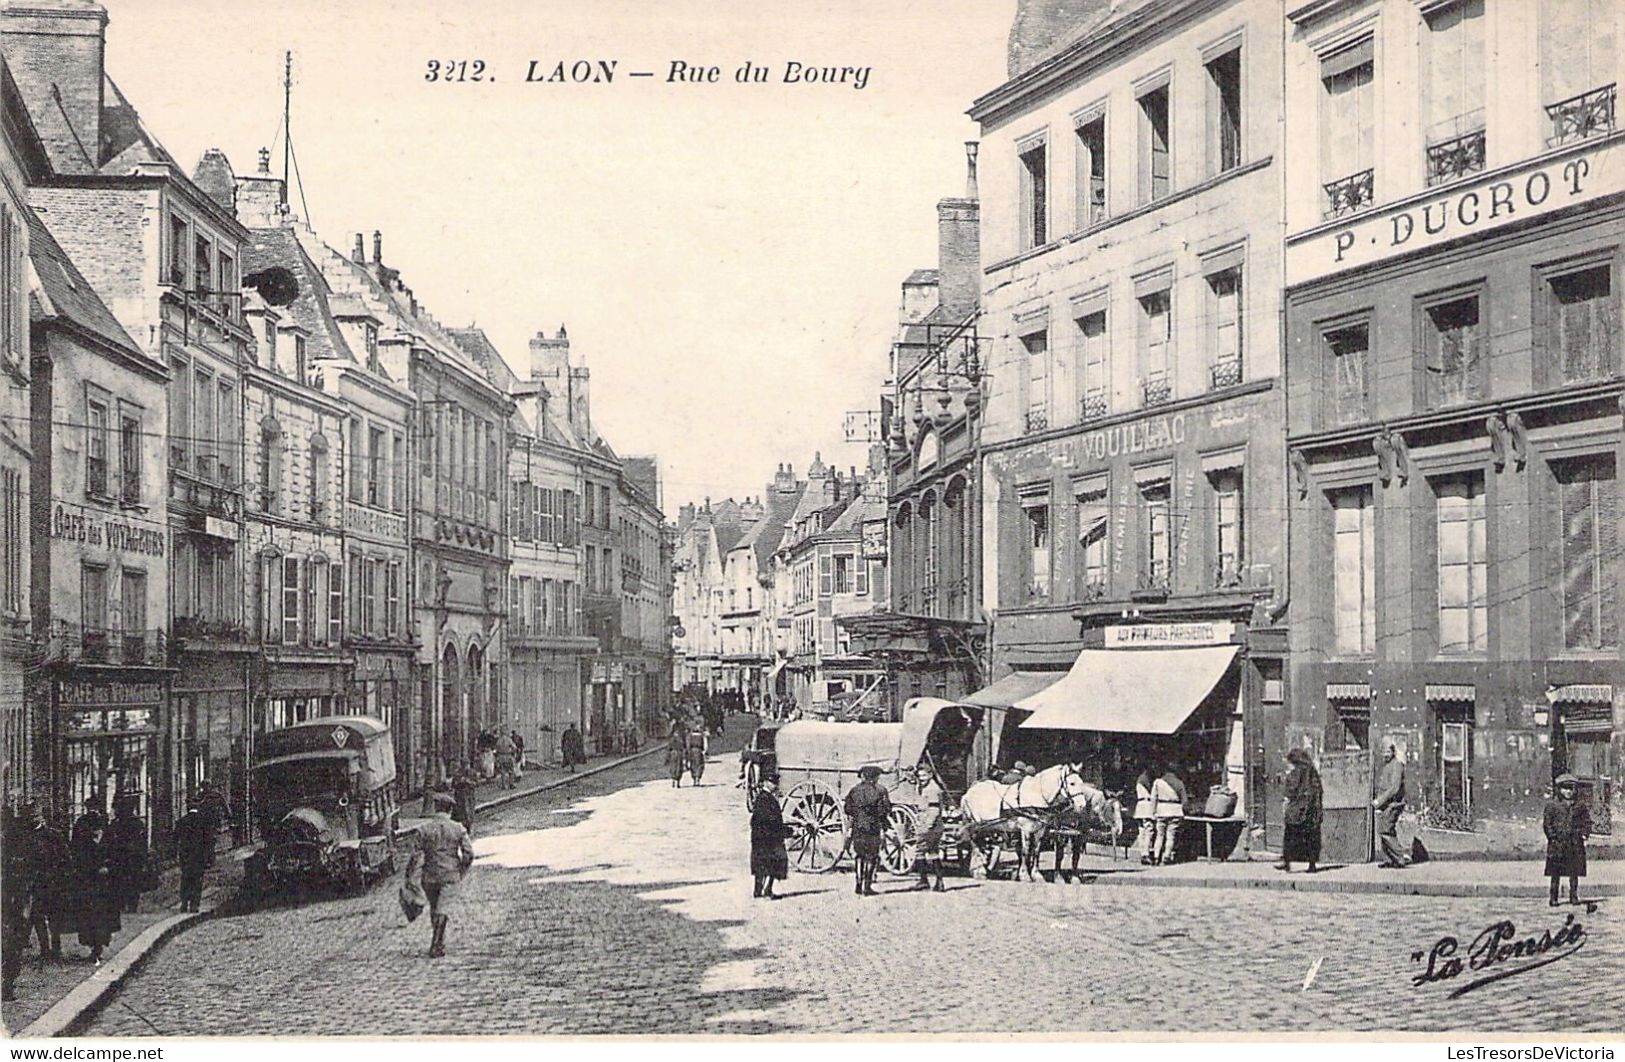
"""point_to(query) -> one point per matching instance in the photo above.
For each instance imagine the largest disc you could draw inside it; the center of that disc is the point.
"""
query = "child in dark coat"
(769, 861)
(1567, 824)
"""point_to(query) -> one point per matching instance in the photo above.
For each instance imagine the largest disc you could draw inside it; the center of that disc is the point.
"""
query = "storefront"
(299, 692)
(107, 746)
(382, 687)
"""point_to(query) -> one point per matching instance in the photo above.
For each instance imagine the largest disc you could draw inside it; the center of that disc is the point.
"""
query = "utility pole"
(287, 128)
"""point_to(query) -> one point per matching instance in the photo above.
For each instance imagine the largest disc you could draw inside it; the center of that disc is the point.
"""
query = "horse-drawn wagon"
(818, 764)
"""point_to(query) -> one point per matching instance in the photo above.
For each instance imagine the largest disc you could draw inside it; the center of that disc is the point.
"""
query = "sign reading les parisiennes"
(1542, 186)
(1216, 632)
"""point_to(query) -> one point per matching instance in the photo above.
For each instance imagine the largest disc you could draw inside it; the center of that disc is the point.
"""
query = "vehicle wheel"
(900, 843)
(817, 823)
(753, 785)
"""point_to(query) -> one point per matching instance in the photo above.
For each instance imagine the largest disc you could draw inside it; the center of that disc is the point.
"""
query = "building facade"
(1132, 464)
(1452, 321)
(705, 535)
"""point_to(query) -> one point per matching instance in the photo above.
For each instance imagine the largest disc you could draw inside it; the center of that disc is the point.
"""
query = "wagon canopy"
(811, 743)
(920, 715)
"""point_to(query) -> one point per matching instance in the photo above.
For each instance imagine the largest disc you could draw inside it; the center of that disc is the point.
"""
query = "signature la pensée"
(1497, 953)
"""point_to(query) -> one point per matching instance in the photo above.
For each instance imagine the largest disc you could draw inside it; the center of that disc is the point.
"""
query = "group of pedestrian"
(501, 756)
(686, 750)
(1159, 809)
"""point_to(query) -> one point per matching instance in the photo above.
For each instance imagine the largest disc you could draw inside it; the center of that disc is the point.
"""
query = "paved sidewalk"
(52, 994)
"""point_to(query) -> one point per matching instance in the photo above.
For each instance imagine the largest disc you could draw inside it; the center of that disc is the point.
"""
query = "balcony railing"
(1227, 574)
(1226, 373)
(89, 644)
(1158, 579)
(1456, 157)
(1346, 195)
(200, 629)
(1093, 405)
(1586, 115)
(1093, 588)
(1156, 390)
(1037, 419)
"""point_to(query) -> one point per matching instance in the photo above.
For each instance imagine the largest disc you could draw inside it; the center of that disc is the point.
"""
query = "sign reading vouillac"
(1530, 189)
(1217, 632)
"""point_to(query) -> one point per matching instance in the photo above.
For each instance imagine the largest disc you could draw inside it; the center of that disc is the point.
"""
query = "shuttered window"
(1590, 552)
(1453, 46)
(1354, 577)
(1577, 48)
(1582, 324)
(1463, 565)
(1453, 341)
(1347, 124)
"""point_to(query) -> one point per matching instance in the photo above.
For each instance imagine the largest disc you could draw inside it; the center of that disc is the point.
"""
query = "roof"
(765, 535)
(1043, 61)
(923, 276)
(62, 294)
(311, 309)
(858, 513)
(126, 141)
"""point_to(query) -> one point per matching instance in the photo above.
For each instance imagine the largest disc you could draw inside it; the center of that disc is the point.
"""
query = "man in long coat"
(194, 847)
(127, 855)
(1303, 812)
(867, 808)
(97, 902)
(49, 887)
(1390, 804)
(769, 862)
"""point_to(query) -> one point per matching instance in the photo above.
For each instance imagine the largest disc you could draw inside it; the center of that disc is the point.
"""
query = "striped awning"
(1348, 691)
(1583, 695)
(1447, 692)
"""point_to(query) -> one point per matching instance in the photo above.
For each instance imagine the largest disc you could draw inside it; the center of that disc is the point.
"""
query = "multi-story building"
(459, 574)
(546, 643)
(927, 625)
(705, 536)
(646, 595)
(1132, 481)
(749, 635)
(1453, 270)
(165, 257)
(22, 161)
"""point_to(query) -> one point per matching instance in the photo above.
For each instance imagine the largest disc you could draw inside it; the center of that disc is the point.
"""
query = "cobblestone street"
(620, 905)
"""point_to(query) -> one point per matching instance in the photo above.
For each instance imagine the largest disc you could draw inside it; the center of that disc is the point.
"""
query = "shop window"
(1347, 129)
(1589, 549)
(1463, 564)
(1093, 520)
(1034, 165)
(1091, 158)
(1155, 166)
(1581, 327)
(1224, 110)
(1453, 90)
(1354, 577)
(1455, 766)
(1348, 352)
(1453, 361)
(1353, 725)
(1036, 346)
(1036, 555)
(1579, 63)
(1228, 531)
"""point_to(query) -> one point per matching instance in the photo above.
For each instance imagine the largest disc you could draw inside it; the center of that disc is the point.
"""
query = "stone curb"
(89, 994)
(1397, 887)
(85, 997)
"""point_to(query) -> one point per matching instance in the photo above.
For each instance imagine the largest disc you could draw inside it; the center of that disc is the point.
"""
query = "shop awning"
(1016, 686)
(1348, 691)
(1448, 693)
(1580, 694)
(1129, 691)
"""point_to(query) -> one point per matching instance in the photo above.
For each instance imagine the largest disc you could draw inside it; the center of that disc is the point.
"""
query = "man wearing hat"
(1567, 823)
(444, 854)
(1390, 804)
(867, 807)
(194, 846)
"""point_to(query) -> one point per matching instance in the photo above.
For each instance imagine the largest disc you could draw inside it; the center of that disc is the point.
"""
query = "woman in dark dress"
(676, 756)
(1567, 824)
(1303, 807)
(769, 862)
(126, 842)
(96, 899)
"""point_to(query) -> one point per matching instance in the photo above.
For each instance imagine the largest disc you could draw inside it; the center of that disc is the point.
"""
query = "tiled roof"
(768, 532)
(63, 294)
(311, 309)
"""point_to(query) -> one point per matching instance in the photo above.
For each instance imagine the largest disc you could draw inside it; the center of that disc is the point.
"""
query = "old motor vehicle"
(326, 790)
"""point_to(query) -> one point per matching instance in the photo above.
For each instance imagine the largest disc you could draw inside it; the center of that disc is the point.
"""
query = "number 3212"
(455, 70)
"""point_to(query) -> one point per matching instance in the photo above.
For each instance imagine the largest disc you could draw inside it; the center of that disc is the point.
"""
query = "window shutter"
(1579, 561)
(826, 578)
(1609, 561)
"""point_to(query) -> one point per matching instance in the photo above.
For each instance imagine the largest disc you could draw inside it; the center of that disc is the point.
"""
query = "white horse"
(1093, 809)
(1027, 809)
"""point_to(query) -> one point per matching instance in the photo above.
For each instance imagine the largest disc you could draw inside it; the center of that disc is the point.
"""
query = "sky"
(726, 257)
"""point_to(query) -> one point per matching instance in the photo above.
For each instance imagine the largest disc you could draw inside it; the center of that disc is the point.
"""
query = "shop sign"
(617, 672)
(1215, 632)
(1511, 196)
(874, 540)
(600, 674)
(373, 522)
(95, 530)
(74, 693)
(213, 525)
(113, 721)
(1136, 437)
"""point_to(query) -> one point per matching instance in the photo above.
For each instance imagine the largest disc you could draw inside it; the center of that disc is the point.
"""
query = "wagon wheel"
(753, 785)
(899, 845)
(817, 827)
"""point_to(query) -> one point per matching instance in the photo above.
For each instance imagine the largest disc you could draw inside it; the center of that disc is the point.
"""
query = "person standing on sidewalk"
(867, 809)
(504, 761)
(463, 794)
(769, 862)
(444, 854)
(1390, 804)
(97, 903)
(1303, 809)
(127, 854)
(1567, 824)
(194, 848)
(518, 754)
(16, 876)
(1168, 809)
(1145, 813)
(50, 886)
(676, 756)
(572, 748)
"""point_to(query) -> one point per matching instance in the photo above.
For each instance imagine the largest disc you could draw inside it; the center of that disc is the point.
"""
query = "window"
(270, 466)
(1453, 352)
(1035, 524)
(1463, 567)
(1034, 195)
(1036, 345)
(1091, 149)
(369, 596)
(93, 607)
(178, 245)
(290, 600)
(397, 473)
(229, 288)
(180, 408)
(1347, 128)
(335, 603)
(133, 603)
(300, 368)
(603, 506)
(11, 540)
(202, 269)
(1154, 155)
(1156, 569)
(129, 445)
(375, 466)
(845, 574)
(592, 505)
(1578, 64)
(1589, 550)
(1354, 576)
(318, 478)
(1093, 518)
(1348, 350)
(1453, 90)
(371, 341)
(270, 344)
(1155, 339)
(226, 468)
(203, 423)
(1228, 534)
(1581, 333)
(96, 446)
(607, 582)
(1093, 381)
(1224, 322)
(392, 598)
(1224, 103)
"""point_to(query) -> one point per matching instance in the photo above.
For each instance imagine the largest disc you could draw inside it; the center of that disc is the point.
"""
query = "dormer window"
(270, 343)
(372, 346)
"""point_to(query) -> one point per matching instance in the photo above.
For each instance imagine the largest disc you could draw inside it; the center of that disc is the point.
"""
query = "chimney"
(55, 49)
(377, 247)
(959, 247)
(260, 200)
(360, 255)
(1043, 28)
(580, 400)
(784, 480)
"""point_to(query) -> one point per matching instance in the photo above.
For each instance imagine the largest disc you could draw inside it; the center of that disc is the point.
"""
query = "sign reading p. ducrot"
(1213, 632)
(1503, 197)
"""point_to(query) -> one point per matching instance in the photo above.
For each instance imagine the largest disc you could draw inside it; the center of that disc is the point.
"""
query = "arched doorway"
(453, 749)
(475, 681)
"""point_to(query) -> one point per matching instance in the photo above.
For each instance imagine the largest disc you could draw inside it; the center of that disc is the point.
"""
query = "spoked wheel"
(817, 826)
(753, 785)
(899, 845)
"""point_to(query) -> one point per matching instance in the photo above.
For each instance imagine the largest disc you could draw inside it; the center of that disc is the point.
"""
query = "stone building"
(1132, 494)
(705, 535)
(1453, 270)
